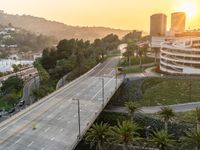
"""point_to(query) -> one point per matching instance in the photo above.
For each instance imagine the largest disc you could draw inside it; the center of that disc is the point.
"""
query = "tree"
(110, 42)
(65, 48)
(130, 50)
(12, 83)
(132, 108)
(15, 68)
(162, 140)
(142, 51)
(125, 133)
(166, 114)
(49, 58)
(156, 51)
(191, 139)
(132, 36)
(198, 117)
(98, 134)
(43, 74)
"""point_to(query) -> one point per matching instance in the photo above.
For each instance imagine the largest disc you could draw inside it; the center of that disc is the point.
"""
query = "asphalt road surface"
(55, 117)
(28, 89)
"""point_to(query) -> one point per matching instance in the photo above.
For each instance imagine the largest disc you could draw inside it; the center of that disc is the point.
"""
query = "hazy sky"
(125, 14)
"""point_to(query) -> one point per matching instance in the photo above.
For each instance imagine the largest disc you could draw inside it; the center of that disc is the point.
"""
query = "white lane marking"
(42, 148)
(46, 129)
(143, 75)
(18, 141)
(101, 88)
(49, 116)
(74, 116)
(30, 144)
(61, 130)
(69, 122)
(59, 118)
(112, 72)
(104, 67)
(52, 138)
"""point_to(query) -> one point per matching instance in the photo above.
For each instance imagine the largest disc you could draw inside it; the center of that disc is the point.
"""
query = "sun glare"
(189, 9)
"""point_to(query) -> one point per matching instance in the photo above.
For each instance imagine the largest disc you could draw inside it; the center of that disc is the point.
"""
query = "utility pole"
(79, 119)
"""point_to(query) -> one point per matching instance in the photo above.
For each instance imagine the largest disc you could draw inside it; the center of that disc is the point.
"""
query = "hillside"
(59, 30)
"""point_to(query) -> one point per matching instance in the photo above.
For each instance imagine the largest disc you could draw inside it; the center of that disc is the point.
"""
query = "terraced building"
(181, 56)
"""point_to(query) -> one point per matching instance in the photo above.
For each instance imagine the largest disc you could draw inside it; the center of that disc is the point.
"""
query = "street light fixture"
(79, 119)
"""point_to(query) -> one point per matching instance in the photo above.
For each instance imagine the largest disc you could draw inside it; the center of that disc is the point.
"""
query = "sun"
(189, 9)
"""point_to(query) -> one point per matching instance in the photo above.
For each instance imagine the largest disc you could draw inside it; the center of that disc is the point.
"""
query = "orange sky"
(124, 14)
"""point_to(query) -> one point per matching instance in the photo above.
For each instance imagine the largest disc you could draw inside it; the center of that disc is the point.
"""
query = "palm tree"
(191, 139)
(167, 114)
(125, 133)
(98, 134)
(156, 51)
(198, 117)
(140, 53)
(129, 53)
(132, 108)
(162, 140)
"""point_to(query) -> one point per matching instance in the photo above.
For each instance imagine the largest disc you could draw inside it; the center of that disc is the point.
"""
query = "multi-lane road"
(55, 117)
(23, 73)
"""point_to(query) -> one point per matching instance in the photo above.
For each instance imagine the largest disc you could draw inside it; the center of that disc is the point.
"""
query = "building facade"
(178, 20)
(158, 25)
(181, 56)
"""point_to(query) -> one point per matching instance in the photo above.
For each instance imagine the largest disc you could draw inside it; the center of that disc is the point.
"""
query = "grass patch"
(135, 61)
(133, 69)
(186, 117)
(158, 91)
(169, 91)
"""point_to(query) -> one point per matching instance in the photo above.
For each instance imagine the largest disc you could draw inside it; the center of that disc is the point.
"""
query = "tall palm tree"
(129, 53)
(191, 139)
(162, 140)
(98, 134)
(132, 108)
(125, 133)
(167, 114)
(198, 117)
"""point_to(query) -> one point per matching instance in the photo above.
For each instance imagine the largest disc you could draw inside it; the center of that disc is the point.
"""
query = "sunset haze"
(127, 14)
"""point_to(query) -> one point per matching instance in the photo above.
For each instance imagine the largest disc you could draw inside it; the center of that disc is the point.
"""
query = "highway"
(55, 117)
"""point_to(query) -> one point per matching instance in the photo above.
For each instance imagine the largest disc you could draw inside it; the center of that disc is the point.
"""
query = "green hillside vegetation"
(158, 91)
(11, 92)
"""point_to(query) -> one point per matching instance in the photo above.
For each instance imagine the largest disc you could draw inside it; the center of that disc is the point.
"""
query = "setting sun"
(189, 8)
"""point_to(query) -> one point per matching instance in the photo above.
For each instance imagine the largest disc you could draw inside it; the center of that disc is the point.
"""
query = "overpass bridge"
(56, 116)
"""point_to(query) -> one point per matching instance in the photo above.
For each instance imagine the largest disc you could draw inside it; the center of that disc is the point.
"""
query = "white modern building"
(181, 56)
(6, 64)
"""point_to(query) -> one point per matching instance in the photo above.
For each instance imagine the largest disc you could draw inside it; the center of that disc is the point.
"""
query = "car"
(11, 110)
(21, 103)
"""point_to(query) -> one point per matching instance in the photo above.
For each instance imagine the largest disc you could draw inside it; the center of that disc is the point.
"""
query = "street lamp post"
(63, 83)
(103, 96)
(79, 120)
(116, 77)
(190, 89)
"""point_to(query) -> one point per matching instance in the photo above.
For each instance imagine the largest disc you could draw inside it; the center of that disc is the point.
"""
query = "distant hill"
(57, 29)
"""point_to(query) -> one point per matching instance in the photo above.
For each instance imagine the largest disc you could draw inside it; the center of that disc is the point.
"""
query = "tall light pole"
(103, 96)
(190, 89)
(79, 119)
(116, 78)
